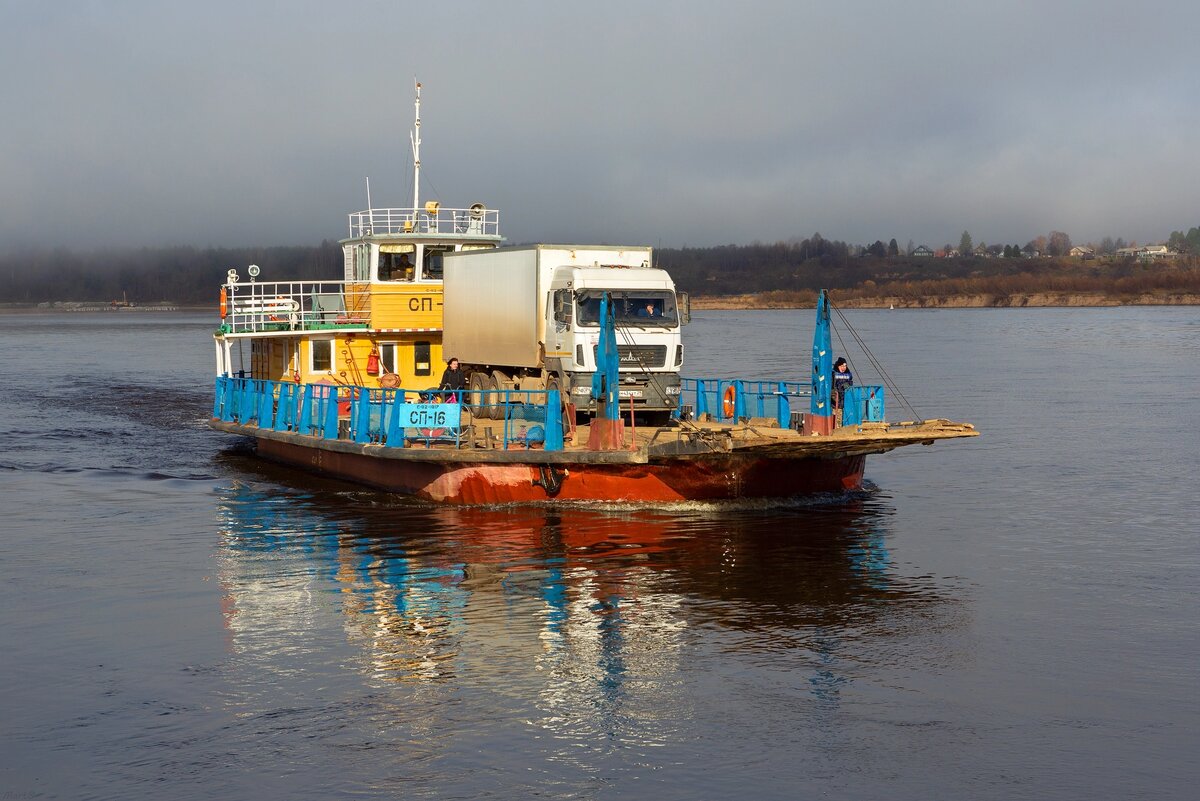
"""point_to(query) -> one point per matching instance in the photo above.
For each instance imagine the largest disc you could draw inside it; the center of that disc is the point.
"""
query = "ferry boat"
(381, 325)
(341, 377)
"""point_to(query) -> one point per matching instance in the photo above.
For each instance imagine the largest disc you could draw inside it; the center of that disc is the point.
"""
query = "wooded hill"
(191, 276)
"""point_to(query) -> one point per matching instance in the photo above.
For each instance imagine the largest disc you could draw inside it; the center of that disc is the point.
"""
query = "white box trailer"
(527, 316)
(495, 300)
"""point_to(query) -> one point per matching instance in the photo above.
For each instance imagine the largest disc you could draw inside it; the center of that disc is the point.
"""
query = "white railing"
(288, 306)
(432, 219)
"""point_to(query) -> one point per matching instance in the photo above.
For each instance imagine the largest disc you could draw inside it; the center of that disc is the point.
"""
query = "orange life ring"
(729, 401)
(224, 303)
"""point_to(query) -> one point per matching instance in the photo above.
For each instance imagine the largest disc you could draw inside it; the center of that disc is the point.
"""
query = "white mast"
(415, 137)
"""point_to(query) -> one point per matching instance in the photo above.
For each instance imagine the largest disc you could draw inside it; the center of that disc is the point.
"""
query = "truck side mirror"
(684, 302)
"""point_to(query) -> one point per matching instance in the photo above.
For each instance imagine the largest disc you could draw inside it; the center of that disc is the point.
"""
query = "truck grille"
(640, 355)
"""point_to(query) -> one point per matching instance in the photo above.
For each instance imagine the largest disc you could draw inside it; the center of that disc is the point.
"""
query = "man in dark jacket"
(452, 379)
(843, 379)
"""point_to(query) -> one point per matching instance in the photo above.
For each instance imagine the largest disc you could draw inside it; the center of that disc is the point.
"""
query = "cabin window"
(387, 357)
(260, 358)
(431, 269)
(422, 363)
(397, 262)
(362, 262)
(644, 309)
(321, 355)
(563, 306)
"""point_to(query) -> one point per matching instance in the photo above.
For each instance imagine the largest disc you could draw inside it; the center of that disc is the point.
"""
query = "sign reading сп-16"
(429, 415)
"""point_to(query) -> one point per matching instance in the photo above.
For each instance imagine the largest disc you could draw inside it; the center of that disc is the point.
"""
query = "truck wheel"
(500, 381)
(495, 402)
(475, 398)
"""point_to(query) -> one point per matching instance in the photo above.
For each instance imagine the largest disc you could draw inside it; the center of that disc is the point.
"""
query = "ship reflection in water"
(582, 623)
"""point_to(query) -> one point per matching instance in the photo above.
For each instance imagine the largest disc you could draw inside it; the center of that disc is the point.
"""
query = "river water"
(1003, 618)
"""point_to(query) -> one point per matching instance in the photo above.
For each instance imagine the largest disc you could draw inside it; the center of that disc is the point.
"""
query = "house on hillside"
(922, 251)
(1081, 252)
(1147, 253)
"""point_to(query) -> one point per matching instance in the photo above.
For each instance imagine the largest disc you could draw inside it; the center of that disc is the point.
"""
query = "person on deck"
(404, 270)
(843, 379)
(453, 380)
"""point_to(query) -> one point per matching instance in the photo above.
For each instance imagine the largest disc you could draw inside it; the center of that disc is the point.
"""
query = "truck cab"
(647, 317)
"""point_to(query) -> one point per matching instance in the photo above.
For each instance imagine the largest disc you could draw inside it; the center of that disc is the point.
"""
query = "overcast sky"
(659, 123)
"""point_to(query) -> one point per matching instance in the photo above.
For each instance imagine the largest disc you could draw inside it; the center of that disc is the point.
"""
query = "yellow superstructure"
(379, 326)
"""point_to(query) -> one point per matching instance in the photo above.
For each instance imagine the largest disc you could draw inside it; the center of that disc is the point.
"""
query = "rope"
(875, 363)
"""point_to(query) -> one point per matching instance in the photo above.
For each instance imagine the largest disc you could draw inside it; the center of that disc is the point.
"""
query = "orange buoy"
(729, 401)
(224, 303)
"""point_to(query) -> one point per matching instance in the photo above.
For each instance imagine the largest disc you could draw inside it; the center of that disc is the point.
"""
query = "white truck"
(529, 318)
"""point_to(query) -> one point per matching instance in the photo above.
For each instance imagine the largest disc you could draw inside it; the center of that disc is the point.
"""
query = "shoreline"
(771, 300)
(971, 301)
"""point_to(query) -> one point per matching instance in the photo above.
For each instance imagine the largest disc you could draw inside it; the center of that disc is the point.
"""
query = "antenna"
(415, 137)
(369, 206)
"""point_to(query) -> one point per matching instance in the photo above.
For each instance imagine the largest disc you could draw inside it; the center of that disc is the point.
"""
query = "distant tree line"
(191, 276)
(180, 275)
(1188, 243)
(879, 269)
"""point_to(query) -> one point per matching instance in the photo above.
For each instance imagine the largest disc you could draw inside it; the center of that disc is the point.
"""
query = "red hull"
(729, 476)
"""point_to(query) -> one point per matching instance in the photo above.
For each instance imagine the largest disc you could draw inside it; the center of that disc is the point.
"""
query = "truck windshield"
(645, 309)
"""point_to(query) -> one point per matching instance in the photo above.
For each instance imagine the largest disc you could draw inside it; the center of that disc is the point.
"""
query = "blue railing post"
(229, 407)
(218, 396)
(245, 401)
(305, 424)
(395, 427)
(360, 415)
(331, 414)
(266, 403)
(783, 409)
(554, 428)
(701, 397)
(285, 409)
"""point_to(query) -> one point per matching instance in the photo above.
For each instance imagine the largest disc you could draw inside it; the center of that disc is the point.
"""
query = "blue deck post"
(784, 408)
(822, 362)
(605, 381)
(554, 428)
